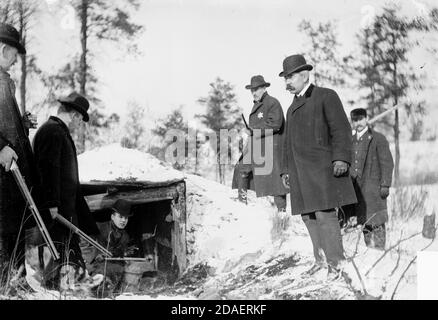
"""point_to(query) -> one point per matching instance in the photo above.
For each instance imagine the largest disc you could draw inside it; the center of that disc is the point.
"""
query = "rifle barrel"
(383, 114)
(33, 208)
(82, 234)
(127, 259)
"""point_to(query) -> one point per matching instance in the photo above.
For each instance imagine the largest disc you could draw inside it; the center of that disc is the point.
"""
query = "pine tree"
(385, 69)
(222, 113)
(174, 121)
(329, 68)
(134, 137)
(102, 21)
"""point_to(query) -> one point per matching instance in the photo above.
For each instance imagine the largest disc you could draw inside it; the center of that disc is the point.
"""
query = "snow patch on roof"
(115, 163)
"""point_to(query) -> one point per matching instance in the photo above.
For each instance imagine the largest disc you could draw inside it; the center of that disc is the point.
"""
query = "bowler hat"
(294, 63)
(256, 82)
(77, 102)
(10, 36)
(123, 207)
(358, 112)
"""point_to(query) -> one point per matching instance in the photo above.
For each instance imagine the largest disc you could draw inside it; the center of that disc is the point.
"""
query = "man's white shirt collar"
(304, 89)
(360, 134)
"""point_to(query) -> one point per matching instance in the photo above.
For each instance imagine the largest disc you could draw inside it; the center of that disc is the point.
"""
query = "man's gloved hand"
(99, 258)
(7, 154)
(384, 192)
(339, 168)
(285, 180)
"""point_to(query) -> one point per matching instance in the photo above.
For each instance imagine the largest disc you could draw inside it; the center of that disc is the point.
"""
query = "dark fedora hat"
(123, 207)
(294, 63)
(10, 36)
(77, 102)
(256, 82)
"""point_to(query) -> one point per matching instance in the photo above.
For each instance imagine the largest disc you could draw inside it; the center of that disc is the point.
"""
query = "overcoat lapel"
(257, 105)
(369, 137)
(301, 101)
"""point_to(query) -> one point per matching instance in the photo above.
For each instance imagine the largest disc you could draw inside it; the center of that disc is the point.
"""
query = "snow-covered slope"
(248, 258)
(112, 162)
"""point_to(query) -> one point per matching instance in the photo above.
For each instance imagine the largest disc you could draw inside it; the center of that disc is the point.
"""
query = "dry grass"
(408, 202)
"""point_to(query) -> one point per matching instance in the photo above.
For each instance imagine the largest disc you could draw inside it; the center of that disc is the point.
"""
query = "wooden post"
(429, 229)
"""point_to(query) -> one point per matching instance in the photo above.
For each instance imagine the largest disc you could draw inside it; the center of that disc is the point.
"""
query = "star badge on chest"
(260, 115)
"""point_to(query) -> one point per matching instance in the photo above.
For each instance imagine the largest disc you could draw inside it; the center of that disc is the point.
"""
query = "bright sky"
(188, 43)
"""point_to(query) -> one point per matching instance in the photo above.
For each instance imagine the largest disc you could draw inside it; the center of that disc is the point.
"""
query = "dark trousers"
(245, 172)
(280, 202)
(11, 253)
(325, 233)
(375, 236)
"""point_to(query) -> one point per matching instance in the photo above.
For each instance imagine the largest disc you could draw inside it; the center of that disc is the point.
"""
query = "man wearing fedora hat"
(316, 160)
(60, 191)
(14, 145)
(266, 118)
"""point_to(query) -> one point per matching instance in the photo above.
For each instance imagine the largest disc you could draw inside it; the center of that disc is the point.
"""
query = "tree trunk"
(396, 121)
(219, 167)
(84, 37)
(23, 77)
(397, 149)
(83, 68)
(23, 83)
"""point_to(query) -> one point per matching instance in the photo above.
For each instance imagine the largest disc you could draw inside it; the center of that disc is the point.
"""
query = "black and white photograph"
(218, 150)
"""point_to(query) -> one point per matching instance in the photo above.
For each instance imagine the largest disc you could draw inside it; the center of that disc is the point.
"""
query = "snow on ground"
(112, 162)
(246, 258)
(238, 241)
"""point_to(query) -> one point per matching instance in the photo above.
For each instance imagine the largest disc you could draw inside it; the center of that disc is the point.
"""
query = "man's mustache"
(289, 87)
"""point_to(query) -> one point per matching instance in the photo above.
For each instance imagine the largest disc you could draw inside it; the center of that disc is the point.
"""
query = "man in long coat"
(266, 119)
(57, 164)
(371, 172)
(317, 154)
(14, 145)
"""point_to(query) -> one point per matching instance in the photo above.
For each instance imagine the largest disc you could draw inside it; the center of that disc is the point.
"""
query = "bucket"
(134, 271)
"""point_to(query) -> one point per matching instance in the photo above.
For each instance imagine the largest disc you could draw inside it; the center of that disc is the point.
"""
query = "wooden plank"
(131, 183)
(179, 242)
(105, 201)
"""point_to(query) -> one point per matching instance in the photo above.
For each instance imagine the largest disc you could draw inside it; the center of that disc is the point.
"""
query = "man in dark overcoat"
(57, 165)
(265, 131)
(14, 145)
(371, 172)
(317, 155)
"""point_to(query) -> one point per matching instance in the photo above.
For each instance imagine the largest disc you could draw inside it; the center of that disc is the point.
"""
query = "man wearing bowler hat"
(114, 237)
(316, 160)
(371, 172)
(266, 118)
(14, 145)
(57, 165)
